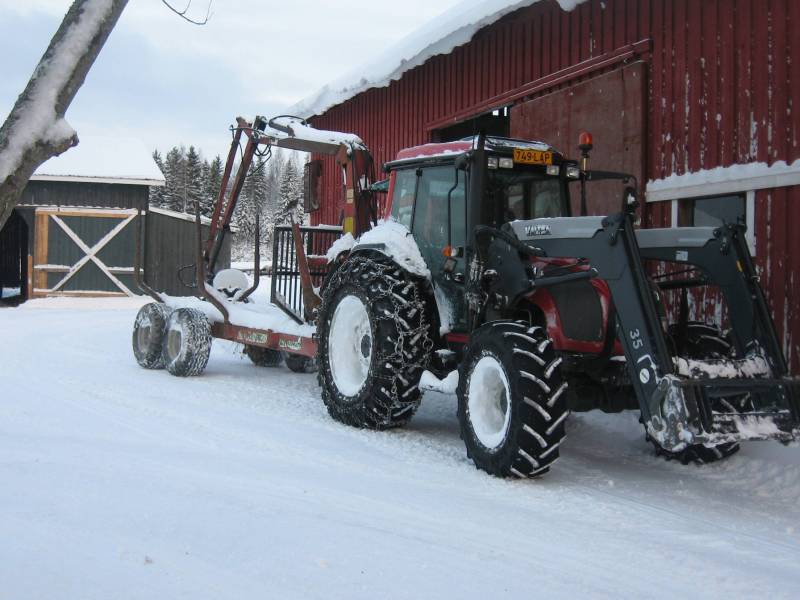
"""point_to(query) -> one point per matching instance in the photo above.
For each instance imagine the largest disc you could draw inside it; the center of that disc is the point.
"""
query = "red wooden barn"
(695, 97)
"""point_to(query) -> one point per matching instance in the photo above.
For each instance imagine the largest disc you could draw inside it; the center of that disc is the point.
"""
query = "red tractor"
(480, 275)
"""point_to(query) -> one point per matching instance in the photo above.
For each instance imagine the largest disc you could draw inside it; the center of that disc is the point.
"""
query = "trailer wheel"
(188, 342)
(148, 335)
(705, 341)
(374, 343)
(511, 401)
(299, 363)
(263, 357)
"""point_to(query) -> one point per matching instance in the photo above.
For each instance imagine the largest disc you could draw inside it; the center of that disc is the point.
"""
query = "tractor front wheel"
(511, 401)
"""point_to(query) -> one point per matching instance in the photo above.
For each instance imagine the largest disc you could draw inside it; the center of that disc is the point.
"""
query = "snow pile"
(441, 35)
(398, 244)
(445, 309)
(750, 367)
(430, 383)
(257, 315)
(343, 244)
(104, 158)
(302, 131)
(37, 119)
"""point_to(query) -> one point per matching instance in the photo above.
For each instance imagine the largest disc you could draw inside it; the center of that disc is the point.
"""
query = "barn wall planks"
(720, 92)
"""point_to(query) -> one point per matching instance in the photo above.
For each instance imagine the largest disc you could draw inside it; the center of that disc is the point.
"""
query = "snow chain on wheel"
(263, 357)
(374, 343)
(148, 335)
(188, 342)
(706, 341)
(511, 401)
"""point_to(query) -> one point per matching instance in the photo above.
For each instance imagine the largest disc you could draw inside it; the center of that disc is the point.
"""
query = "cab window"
(405, 184)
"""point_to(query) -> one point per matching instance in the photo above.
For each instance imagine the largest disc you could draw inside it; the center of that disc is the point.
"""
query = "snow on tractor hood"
(395, 241)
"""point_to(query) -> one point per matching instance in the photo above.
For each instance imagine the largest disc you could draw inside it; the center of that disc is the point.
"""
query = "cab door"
(430, 229)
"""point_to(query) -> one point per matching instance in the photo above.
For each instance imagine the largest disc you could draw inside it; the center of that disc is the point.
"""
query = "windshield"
(524, 194)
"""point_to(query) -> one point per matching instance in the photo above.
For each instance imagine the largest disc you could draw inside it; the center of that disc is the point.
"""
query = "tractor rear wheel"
(511, 401)
(374, 343)
(148, 335)
(187, 345)
(703, 341)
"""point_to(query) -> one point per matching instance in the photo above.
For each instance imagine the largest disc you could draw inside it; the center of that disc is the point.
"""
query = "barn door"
(611, 106)
(84, 252)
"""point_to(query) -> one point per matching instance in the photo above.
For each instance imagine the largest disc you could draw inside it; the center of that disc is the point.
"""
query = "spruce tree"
(213, 182)
(193, 169)
(172, 198)
(156, 197)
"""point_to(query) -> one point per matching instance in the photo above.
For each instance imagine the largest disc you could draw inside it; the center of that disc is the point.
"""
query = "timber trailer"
(473, 276)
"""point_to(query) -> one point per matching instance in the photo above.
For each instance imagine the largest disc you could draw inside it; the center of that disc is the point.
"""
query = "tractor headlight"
(506, 163)
(491, 162)
(553, 169)
(573, 173)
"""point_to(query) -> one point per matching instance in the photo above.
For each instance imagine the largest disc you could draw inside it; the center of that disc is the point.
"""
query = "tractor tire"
(263, 357)
(148, 335)
(188, 342)
(374, 342)
(300, 364)
(511, 401)
(705, 341)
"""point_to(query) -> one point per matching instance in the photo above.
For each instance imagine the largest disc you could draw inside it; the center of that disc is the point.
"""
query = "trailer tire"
(704, 341)
(148, 335)
(263, 357)
(187, 344)
(374, 343)
(511, 401)
(298, 363)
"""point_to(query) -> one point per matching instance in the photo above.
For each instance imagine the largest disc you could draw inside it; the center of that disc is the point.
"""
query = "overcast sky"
(168, 82)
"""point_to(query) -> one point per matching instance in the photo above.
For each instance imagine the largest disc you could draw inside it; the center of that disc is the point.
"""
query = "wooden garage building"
(696, 98)
(74, 231)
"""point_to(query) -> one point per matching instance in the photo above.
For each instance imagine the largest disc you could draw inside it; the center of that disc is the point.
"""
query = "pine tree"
(157, 192)
(193, 170)
(174, 175)
(290, 196)
(213, 182)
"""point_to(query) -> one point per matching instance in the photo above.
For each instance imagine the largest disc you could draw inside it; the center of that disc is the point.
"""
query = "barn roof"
(441, 35)
(103, 160)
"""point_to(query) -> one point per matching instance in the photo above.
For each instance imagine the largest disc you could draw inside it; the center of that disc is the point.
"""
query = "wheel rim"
(488, 402)
(174, 342)
(143, 337)
(350, 345)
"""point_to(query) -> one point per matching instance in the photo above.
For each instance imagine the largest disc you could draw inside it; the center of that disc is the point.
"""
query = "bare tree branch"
(182, 13)
(35, 130)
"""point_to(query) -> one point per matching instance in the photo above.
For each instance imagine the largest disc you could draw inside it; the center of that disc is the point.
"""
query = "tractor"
(475, 277)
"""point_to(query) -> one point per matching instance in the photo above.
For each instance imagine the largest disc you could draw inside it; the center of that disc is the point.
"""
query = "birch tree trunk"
(35, 130)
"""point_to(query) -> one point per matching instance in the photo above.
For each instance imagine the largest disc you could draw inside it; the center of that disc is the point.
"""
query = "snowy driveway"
(116, 482)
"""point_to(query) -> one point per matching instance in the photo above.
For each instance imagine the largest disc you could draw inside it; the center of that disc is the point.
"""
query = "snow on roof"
(441, 35)
(103, 160)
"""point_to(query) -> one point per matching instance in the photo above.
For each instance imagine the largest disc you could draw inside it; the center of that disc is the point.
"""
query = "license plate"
(532, 157)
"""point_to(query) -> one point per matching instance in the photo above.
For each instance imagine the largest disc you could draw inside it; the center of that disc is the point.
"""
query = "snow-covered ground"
(116, 482)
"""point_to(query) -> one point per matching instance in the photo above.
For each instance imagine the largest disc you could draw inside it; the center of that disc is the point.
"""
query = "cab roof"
(449, 150)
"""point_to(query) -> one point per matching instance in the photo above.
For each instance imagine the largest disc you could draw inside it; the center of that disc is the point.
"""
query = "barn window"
(713, 211)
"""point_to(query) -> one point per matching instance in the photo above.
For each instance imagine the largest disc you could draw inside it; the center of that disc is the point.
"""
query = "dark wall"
(171, 245)
(96, 195)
